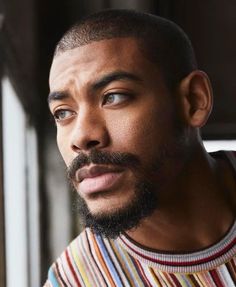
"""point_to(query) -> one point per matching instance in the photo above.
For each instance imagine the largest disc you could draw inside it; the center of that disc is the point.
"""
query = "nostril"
(92, 144)
(75, 148)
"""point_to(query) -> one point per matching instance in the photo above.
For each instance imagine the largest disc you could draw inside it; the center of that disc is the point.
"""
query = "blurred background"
(37, 214)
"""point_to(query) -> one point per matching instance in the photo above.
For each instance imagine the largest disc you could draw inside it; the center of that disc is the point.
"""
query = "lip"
(98, 178)
(95, 171)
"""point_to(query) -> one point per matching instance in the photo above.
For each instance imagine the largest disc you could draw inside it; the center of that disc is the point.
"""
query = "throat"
(168, 235)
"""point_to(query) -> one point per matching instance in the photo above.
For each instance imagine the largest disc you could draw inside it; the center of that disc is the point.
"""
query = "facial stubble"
(111, 224)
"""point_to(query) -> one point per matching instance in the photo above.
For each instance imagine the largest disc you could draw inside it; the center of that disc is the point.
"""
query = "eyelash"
(57, 112)
(125, 95)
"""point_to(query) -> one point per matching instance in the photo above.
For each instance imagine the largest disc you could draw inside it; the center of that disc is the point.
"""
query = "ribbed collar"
(205, 259)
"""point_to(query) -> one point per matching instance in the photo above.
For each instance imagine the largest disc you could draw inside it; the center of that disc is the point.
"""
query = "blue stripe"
(129, 264)
(52, 278)
(109, 263)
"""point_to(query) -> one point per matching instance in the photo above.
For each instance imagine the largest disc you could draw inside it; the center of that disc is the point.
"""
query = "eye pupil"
(110, 99)
(63, 114)
(115, 98)
(60, 115)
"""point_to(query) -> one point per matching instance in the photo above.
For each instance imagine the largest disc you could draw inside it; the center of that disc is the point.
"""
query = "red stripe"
(177, 283)
(168, 278)
(143, 273)
(72, 269)
(184, 263)
(216, 278)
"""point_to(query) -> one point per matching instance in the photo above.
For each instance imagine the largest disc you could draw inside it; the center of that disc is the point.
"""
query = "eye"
(62, 114)
(114, 99)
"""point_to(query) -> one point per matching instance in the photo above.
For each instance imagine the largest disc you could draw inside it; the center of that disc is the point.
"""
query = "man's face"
(107, 97)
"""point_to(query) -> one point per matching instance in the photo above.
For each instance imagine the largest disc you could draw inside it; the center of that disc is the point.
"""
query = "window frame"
(2, 210)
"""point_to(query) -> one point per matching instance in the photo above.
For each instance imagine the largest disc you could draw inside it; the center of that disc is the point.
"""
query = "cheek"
(141, 133)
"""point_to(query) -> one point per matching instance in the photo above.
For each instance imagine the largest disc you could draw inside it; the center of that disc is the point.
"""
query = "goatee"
(128, 217)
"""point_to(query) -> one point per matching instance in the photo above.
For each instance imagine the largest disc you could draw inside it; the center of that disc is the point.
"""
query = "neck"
(195, 210)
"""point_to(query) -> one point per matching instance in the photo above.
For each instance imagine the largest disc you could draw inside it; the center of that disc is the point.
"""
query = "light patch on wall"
(215, 145)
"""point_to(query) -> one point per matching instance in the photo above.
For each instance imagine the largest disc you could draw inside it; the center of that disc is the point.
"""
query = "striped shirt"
(91, 260)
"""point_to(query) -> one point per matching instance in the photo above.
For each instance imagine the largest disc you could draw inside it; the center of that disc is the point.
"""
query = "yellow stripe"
(154, 276)
(198, 278)
(167, 278)
(181, 280)
(79, 264)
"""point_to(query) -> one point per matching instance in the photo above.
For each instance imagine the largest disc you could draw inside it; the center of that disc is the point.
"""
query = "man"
(128, 101)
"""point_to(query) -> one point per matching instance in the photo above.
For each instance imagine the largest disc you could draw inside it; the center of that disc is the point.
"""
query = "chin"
(106, 204)
(110, 216)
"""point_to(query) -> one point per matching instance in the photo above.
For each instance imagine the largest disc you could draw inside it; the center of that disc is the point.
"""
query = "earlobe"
(195, 94)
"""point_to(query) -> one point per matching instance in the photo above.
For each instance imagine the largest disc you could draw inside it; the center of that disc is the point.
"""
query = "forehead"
(91, 60)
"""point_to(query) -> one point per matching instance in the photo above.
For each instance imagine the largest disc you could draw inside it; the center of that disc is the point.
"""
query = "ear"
(195, 96)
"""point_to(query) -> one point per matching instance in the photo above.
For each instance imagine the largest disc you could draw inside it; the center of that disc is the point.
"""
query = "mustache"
(102, 157)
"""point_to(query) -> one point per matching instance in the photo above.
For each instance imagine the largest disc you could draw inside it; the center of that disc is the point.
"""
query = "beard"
(129, 216)
(142, 204)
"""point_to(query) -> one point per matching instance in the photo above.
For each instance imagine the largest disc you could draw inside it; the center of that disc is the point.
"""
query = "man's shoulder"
(80, 260)
(82, 246)
(64, 267)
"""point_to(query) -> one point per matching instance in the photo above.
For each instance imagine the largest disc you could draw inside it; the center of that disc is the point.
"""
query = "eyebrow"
(115, 76)
(98, 84)
(57, 96)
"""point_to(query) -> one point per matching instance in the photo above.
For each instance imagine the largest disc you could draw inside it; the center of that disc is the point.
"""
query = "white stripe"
(226, 278)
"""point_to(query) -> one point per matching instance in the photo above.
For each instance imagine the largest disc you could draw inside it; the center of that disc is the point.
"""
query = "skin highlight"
(137, 114)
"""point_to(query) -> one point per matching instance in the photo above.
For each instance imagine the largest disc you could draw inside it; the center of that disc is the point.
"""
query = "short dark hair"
(160, 40)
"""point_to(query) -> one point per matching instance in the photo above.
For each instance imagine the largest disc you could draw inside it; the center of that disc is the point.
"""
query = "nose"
(89, 132)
